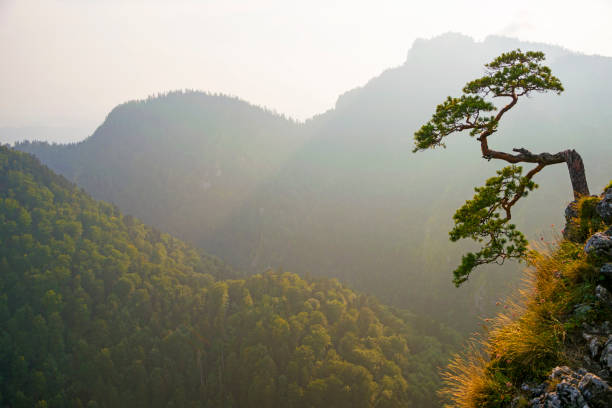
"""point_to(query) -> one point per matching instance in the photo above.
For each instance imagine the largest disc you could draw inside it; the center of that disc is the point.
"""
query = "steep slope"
(182, 161)
(356, 183)
(552, 345)
(99, 310)
(341, 195)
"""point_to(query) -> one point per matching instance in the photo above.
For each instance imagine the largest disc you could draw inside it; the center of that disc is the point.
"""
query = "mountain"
(211, 151)
(58, 134)
(100, 310)
(342, 195)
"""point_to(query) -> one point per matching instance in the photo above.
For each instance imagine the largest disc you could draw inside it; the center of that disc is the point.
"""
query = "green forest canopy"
(99, 310)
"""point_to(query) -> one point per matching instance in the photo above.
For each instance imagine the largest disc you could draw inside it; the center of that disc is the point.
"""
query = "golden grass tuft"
(526, 340)
(465, 378)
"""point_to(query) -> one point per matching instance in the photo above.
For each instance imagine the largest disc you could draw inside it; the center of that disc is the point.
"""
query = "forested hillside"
(341, 195)
(190, 156)
(99, 310)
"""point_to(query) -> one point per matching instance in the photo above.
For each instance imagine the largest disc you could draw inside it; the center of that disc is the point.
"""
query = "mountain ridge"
(345, 184)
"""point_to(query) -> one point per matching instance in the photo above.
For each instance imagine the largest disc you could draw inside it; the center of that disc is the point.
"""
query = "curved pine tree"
(486, 217)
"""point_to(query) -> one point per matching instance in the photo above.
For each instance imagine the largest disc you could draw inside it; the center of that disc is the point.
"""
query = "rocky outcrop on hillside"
(554, 351)
(567, 388)
(581, 388)
(604, 208)
(600, 243)
(589, 385)
(606, 270)
(598, 349)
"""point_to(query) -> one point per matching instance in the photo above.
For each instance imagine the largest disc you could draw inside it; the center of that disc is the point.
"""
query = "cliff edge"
(550, 346)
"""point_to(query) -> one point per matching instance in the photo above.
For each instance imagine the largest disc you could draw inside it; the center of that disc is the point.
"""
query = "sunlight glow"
(69, 62)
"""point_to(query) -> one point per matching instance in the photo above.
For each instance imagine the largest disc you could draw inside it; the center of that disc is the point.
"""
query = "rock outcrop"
(603, 295)
(605, 358)
(580, 388)
(604, 208)
(571, 213)
(567, 388)
(600, 243)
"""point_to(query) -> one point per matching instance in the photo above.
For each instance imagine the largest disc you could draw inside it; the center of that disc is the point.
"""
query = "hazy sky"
(68, 62)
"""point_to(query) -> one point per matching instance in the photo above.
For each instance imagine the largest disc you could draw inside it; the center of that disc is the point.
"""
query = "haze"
(67, 63)
(247, 204)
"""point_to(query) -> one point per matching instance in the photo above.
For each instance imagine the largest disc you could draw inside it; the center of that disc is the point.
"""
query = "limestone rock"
(603, 295)
(596, 391)
(606, 270)
(595, 344)
(604, 208)
(574, 389)
(606, 355)
(604, 328)
(571, 213)
(600, 243)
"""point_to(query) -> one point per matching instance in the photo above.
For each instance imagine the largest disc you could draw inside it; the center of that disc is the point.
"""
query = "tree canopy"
(99, 310)
(486, 218)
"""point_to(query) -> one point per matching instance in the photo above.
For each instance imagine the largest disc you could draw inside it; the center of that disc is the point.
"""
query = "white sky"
(69, 62)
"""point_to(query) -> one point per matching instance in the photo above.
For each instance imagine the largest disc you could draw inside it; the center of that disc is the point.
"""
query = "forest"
(197, 250)
(341, 195)
(100, 310)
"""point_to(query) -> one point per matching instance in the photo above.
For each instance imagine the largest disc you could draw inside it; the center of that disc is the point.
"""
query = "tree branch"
(521, 191)
(507, 107)
(511, 75)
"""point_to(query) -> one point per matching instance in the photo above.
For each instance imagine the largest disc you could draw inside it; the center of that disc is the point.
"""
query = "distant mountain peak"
(443, 42)
(462, 46)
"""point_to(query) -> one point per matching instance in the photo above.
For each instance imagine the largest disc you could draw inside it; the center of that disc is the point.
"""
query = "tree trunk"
(576, 172)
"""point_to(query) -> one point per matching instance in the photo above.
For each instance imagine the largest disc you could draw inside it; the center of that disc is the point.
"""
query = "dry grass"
(526, 340)
(534, 332)
(465, 378)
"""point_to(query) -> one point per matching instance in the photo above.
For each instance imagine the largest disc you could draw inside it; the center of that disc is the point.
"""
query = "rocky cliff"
(551, 346)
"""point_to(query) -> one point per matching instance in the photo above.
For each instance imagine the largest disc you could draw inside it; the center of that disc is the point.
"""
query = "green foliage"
(515, 73)
(99, 310)
(451, 117)
(484, 219)
(587, 220)
(512, 75)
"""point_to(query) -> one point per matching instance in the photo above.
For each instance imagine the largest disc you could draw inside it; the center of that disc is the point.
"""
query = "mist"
(68, 62)
(249, 204)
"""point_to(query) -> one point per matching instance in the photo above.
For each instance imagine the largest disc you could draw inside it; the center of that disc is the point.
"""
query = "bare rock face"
(604, 208)
(568, 388)
(571, 213)
(598, 353)
(572, 389)
(605, 358)
(606, 270)
(603, 295)
(604, 328)
(596, 391)
(600, 243)
(595, 344)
